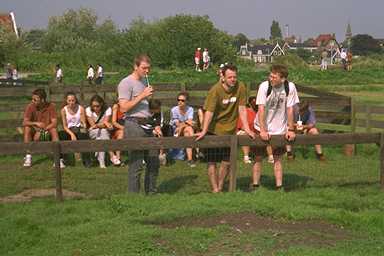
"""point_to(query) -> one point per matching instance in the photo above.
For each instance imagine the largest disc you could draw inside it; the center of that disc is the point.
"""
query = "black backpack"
(286, 88)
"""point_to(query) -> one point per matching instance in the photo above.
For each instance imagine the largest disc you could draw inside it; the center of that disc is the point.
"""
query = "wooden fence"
(330, 107)
(233, 142)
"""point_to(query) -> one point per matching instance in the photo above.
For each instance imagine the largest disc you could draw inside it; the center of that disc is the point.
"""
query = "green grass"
(343, 191)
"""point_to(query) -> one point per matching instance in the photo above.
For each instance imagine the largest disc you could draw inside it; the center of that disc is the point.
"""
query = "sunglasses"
(181, 100)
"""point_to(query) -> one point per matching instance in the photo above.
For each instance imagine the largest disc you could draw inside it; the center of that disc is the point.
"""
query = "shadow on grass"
(175, 184)
(290, 181)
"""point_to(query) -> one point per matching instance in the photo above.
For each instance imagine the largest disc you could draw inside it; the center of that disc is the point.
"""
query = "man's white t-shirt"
(91, 73)
(276, 105)
(59, 73)
(99, 71)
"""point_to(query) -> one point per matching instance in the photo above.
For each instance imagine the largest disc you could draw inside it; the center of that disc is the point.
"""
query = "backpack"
(286, 88)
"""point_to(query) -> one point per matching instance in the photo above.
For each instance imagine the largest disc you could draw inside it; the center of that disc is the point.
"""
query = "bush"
(292, 61)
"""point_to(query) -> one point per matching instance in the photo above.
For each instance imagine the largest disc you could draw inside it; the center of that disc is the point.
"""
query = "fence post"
(233, 163)
(368, 118)
(382, 161)
(56, 156)
(353, 115)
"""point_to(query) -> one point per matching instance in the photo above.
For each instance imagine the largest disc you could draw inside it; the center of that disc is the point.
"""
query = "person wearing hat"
(197, 59)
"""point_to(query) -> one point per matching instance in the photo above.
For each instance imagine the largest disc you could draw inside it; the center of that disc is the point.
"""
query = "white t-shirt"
(59, 73)
(205, 56)
(91, 73)
(343, 55)
(100, 71)
(276, 105)
(94, 116)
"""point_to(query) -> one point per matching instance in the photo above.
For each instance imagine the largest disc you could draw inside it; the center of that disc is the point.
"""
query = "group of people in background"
(93, 75)
(345, 57)
(202, 59)
(11, 72)
(274, 111)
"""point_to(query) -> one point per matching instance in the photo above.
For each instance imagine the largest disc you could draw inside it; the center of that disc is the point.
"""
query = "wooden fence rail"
(233, 142)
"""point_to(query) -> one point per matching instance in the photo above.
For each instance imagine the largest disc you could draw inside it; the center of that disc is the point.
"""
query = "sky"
(306, 18)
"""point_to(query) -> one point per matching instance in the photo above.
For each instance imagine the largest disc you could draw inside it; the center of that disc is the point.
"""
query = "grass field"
(331, 208)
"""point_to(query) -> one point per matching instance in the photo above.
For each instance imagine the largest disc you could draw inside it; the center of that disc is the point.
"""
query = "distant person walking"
(324, 60)
(197, 59)
(59, 74)
(343, 56)
(206, 59)
(90, 74)
(99, 74)
(349, 60)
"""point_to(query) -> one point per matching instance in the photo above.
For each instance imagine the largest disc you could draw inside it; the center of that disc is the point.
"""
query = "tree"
(363, 44)
(239, 40)
(275, 31)
(10, 46)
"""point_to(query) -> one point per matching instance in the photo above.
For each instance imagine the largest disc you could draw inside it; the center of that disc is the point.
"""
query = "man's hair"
(141, 58)
(185, 94)
(281, 69)
(229, 66)
(154, 104)
(41, 93)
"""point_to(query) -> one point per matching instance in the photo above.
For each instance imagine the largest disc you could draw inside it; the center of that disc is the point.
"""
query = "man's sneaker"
(320, 157)
(253, 187)
(247, 160)
(270, 159)
(62, 165)
(27, 161)
(290, 155)
(102, 166)
(163, 159)
(115, 161)
(191, 163)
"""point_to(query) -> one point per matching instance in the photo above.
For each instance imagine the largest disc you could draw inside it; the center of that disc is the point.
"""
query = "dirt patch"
(29, 194)
(279, 235)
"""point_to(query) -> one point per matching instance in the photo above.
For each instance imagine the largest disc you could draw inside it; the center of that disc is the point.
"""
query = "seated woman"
(305, 123)
(118, 125)
(73, 118)
(98, 116)
(182, 122)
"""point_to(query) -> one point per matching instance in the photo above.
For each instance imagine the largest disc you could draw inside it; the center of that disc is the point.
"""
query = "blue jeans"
(136, 157)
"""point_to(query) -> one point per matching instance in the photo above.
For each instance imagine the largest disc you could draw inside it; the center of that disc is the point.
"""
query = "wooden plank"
(58, 178)
(322, 139)
(372, 123)
(9, 148)
(199, 87)
(373, 109)
(353, 115)
(11, 123)
(382, 161)
(233, 164)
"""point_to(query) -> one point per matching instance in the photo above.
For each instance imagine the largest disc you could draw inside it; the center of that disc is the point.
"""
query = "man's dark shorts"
(216, 155)
(262, 151)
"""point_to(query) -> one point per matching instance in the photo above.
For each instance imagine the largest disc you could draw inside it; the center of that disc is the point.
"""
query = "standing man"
(225, 102)
(206, 59)
(133, 96)
(275, 100)
(99, 74)
(197, 59)
(59, 74)
(90, 74)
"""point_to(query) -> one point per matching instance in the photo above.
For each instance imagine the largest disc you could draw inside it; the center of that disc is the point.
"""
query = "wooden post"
(233, 163)
(353, 115)
(382, 161)
(368, 118)
(56, 156)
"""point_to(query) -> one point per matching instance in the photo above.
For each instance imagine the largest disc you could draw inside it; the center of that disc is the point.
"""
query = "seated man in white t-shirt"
(275, 100)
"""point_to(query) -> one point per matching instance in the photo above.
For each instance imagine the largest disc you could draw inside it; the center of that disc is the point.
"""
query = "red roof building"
(8, 21)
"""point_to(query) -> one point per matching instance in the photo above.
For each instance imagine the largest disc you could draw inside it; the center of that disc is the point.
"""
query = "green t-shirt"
(225, 108)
